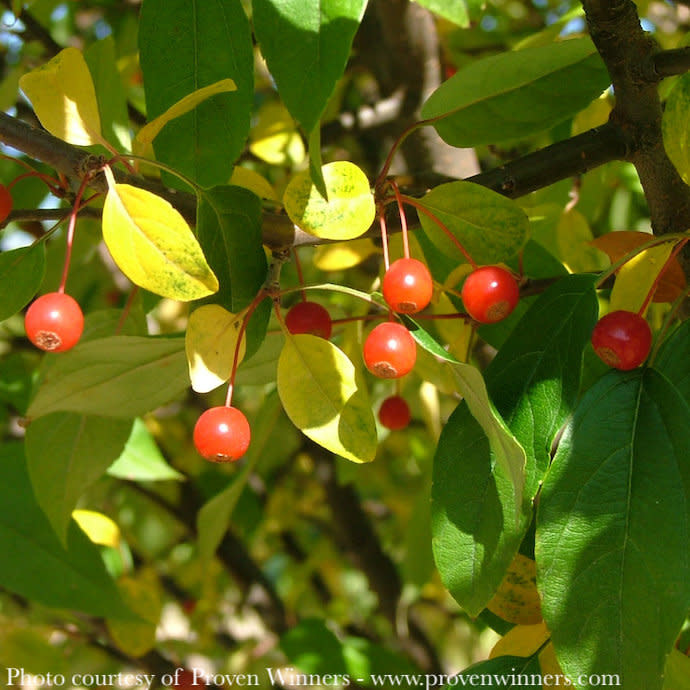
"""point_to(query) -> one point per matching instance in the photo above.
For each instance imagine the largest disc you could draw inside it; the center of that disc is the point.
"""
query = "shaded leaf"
(675, 126)
(306, 46)
(517, 93)
(120, 376)
(66, 453)
(186, 45)
(21, 275)
(452, 10)
(318, 387)
(229, 230)
(35, 564)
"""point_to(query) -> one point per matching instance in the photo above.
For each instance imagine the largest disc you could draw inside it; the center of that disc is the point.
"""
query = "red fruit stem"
(70, 231)
(300, 274)
(126, 309)
(50, 182)
(403, 218)
(384, 240)
(240, 335)
(435, 219)
(676, 250)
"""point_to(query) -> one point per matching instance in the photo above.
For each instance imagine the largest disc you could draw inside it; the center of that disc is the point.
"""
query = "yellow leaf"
(522, 640)
(456, 332)
(349, 210)
(254, 182)
(594, 115)
(142, 596)
(341, 256)
(517, 599)
(210, 344)
(319, 390)
(99, 528)
(150, 131)
(275, 138)
(153, 245)
(575, 250)
(64, 98)
(636, 277)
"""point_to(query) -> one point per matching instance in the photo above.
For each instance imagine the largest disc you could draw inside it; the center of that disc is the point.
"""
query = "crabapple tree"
(345, 339)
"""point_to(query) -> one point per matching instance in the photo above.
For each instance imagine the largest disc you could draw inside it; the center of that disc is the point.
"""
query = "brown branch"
(627, 52)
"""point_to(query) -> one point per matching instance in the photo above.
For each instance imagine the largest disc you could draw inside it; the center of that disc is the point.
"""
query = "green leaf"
(321, 393)
(517, 94)
(120, 376)
(489, 226)
(364, 658)
(673, 359)
(677, 671)
(35, 564)
(229, 231)
(110, 93)
(313, 648)
(21, 275)
(347, 212)
(453, 10)
(152, 244)
(66, 453)
(306, 46)
(475, 534)
(184, 46)
(470, 383)
(674, 125)
(141, 460)
(613, 528)
(534, 379)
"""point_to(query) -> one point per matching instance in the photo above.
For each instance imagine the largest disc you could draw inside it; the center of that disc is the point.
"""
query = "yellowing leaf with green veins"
(153, 245)
(64, 98)
(210, 343)
(636, 277)
(254, 182)
(341, 256)
(321, 393)
(517, 599)
(349, 211)
(99, 528)
(150, 131)
(142, 596)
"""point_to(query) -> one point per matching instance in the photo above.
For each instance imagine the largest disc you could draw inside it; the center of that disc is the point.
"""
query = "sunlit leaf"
(621, 242)
(637, 276)
(341, 256)
(349, 211)
(319, 389)
(522, 640)
(489, 226)
(210, 343)
(254, 182)
(151, 130)
(99, 528)
(153, 245)
(516, 599)
(612, 529)
(64, 98)
(274, 138)
(452, 10)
